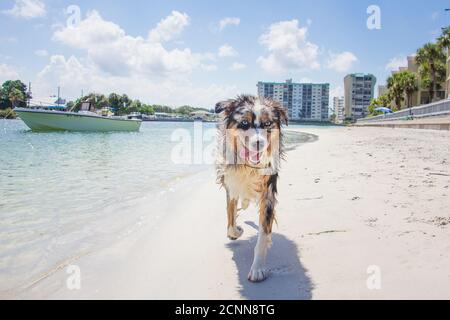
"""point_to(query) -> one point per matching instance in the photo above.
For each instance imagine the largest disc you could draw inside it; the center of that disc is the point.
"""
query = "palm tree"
(16, 96)
(385, 100)
(396, 89)
(444, 39)
(409, 83)
(444, 43)
(374, 103)
(431, 60)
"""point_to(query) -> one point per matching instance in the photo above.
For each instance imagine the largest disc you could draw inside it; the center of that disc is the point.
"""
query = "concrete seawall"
(441, 123)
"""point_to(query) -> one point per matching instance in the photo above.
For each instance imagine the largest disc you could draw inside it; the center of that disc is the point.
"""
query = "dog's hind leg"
(266, 218)
(234, 231)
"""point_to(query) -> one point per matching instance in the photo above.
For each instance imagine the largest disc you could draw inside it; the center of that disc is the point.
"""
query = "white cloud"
(8, 73)
(227, 51)
(236, 66)
(337, 91)
(169, 27)
(229, 21)
(143, 68)
(396, 62)
(209, 56)
(288, 48)
(41, 53)
(27, 9)
(341, 62)
(74, 75)
(209, 67)
(114, 52)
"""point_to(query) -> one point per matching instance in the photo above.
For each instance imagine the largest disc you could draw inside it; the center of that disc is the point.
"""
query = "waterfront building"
(359, 91)
(339, 109)
(304, 101)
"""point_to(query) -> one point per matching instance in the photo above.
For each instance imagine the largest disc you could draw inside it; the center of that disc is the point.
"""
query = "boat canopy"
(55, 107)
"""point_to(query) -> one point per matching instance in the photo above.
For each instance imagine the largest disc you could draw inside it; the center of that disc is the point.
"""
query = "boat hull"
(40, 120)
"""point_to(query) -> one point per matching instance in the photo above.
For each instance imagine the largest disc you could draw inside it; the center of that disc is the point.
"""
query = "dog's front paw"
(235, 233)
(257, 275)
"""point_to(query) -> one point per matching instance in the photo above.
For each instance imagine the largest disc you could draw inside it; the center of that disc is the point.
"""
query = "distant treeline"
(13, 93)
(122, 104)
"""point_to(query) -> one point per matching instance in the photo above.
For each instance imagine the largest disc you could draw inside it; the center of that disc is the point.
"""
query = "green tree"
(114, 101)
(125, 103)
(381, 101)
(431, 60)
(165, 109)
(101, 101)
(184, 110)
(16, 96)
(409, 83)
(396, 89)
(444, 39)
(444, 43)
(5, 94)
(135, 106)
(146, 109)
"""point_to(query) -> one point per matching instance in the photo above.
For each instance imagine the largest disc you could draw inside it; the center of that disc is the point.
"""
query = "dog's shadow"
(288, 279)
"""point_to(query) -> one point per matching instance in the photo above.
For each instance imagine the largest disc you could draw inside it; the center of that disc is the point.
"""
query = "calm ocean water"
(65, 194)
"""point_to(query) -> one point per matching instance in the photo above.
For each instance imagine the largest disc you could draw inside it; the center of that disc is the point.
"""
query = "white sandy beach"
(357, 197)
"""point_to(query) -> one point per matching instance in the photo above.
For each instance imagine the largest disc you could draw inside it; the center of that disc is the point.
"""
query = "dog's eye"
(245, 123)
(268, 123)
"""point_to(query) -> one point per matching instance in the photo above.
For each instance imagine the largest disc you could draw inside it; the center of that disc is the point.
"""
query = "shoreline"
(354, 199)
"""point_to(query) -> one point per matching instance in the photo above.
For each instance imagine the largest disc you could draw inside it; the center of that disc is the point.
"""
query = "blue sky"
(175, 52)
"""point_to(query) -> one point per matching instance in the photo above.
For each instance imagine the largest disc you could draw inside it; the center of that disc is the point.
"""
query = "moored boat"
(48, 120)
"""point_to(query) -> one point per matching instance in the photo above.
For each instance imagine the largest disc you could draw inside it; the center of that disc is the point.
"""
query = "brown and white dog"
(248, 159)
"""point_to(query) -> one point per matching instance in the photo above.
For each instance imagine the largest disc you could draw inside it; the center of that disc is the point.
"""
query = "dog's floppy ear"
(283, 115)
(226, 107)
(280, 111)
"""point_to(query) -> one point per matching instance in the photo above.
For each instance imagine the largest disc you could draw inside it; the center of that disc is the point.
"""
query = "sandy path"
(356, 198)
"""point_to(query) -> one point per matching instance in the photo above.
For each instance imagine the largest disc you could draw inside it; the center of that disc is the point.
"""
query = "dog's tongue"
(251, 155)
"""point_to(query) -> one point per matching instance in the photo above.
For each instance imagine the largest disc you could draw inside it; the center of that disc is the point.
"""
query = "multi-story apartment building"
(304, 101)
(359, 91)
(339, 109)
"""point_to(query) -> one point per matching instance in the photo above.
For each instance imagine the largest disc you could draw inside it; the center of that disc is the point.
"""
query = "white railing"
(438, 108)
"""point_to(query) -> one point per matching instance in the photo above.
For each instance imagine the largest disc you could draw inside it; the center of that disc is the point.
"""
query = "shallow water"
(65, 194)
